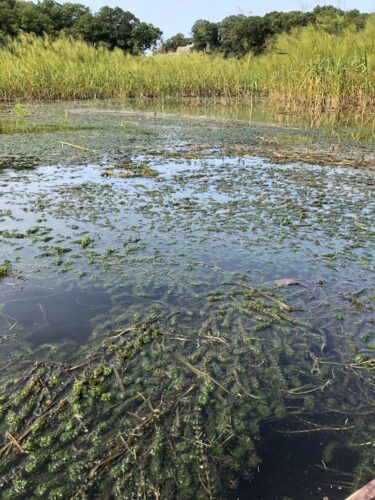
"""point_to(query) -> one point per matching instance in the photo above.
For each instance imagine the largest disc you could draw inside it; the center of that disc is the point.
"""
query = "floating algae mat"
(180, 318)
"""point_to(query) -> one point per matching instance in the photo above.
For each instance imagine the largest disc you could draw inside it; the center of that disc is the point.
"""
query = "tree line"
(112, 27)
(235, 35)
(238, 35)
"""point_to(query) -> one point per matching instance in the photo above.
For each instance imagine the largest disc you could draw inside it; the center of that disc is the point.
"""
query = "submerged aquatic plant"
(148, 410)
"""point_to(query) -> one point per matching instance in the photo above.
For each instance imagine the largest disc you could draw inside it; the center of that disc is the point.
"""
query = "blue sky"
(173, 16)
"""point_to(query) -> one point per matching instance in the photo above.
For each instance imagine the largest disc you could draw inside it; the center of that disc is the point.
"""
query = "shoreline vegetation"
(308, 67)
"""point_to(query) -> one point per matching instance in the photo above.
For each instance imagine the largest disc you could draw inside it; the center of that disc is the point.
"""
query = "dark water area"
(293, 466)
(52, 315)
(87, 253)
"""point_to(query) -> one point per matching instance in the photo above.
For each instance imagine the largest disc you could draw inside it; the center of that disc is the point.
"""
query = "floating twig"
(77, 146)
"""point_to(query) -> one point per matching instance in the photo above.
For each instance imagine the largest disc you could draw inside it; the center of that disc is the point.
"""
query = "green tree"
(114, 28)
(178, 40)
(144, 37)
(333, 20)
(83, 26)
(205, 35)
(69, 15)
(8, 19)
(117, 28)
(240, 35)
(51, 10)
(32, 18)
(280, 22)
(356, 19)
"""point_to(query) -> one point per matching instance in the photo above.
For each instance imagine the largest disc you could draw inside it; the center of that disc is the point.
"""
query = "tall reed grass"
(322, 70)
(309, 67)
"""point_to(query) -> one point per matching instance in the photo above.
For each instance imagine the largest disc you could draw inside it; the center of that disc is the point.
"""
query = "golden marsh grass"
(310, 67)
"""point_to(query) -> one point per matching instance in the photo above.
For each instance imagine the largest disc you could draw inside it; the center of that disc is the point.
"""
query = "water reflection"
(357, 126)
(24, 126)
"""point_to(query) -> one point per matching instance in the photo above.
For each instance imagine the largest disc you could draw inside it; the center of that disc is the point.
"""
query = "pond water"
(88, 251)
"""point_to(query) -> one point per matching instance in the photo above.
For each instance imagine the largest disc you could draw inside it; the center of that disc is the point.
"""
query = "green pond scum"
(187, 305)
